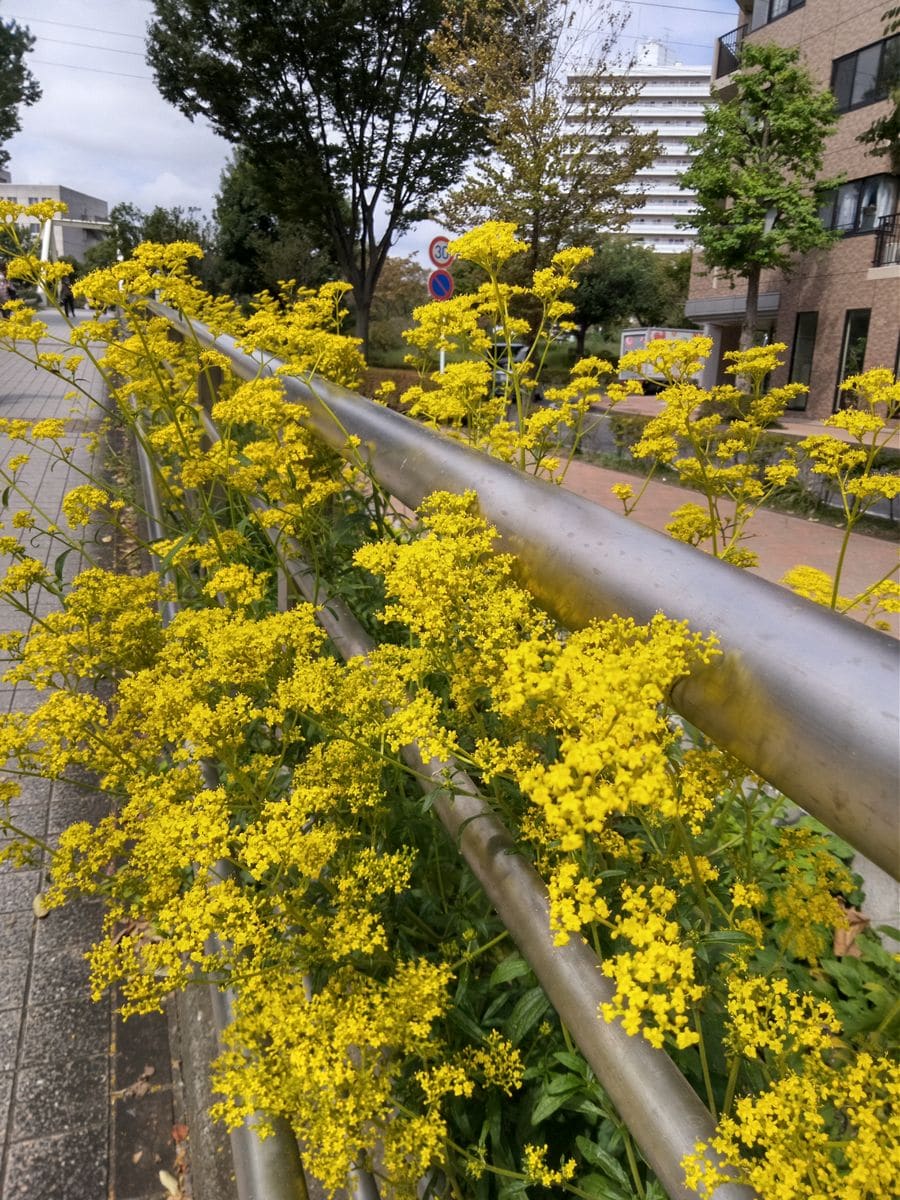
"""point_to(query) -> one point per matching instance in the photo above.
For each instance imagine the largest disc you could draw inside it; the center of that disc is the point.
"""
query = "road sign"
(439, 251)
(440, 284)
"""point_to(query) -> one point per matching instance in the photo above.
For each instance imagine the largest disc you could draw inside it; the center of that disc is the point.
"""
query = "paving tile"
(13, 982)
(60, 1097)
(6, 1084)
(10, 1029)
(30, 817)
(17, 891)
(70, 803)
(58, 975)
(73, 927)
(72, 1166)
(143, 1127)
(15, 935)
(33, 791)
(77, 1028)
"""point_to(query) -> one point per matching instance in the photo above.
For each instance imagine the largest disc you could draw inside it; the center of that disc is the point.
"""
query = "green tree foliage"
(624, 282)
(129, 225)
(17, 85)
(254, 247)
(335, 99)
(756, 171)
(883, 135)
(562, 149)
(402, 286)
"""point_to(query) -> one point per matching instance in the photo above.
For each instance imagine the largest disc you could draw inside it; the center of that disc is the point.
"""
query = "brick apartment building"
(838, 310)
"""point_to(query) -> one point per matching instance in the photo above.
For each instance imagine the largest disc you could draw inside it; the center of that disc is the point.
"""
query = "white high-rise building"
(672, 101)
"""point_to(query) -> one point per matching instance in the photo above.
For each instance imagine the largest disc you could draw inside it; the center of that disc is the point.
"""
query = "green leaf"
(547, 1105)
(572, 1061)
(557, 1084)
(59, 563)
(600, 1186)
(465, 1024)
(512, 967)
(529, 1010)
(598, 1157)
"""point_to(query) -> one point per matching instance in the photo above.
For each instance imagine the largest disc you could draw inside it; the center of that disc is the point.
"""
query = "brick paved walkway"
(781, 541)
(72, 1128)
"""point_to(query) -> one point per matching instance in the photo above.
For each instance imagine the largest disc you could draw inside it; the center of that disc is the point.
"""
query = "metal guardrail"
(582, 562)
(663, 1112)
(806, 698)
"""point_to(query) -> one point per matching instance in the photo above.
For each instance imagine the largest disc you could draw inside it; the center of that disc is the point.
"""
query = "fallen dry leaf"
(171, 1184)
(140, 1087)
(845, 939)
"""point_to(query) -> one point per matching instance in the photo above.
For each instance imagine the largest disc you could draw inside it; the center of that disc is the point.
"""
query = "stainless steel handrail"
(660, 1108)
(806, 698)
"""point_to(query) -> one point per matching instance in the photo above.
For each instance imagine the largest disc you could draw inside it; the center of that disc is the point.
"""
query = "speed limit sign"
(439, 251)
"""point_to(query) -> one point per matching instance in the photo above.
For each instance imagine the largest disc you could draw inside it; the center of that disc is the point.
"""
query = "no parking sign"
(440, 285)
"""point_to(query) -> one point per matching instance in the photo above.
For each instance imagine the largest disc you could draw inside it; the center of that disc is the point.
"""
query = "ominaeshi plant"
(712, 438)
(258, 791)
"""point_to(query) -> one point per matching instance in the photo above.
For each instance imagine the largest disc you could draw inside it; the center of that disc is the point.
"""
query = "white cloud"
(106, 134)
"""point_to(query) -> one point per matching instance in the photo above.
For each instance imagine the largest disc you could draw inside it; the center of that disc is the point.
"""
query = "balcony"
(887, 241)
(728, 48)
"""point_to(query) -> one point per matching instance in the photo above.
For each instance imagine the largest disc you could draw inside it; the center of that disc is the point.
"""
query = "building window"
(866, 75)
(858, 206)
(802, 353)
(778, 8)
(853, 351)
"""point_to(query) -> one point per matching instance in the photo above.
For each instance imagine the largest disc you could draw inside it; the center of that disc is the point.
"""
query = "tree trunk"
(580, 337)
(362, 296)
(748, 327)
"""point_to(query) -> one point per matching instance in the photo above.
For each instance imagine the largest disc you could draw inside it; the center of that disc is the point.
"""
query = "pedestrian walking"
(7, 293)
(67, 298)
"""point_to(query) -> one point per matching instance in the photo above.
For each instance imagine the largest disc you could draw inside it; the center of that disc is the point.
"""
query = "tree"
(883, 135)
(562, 148)
(254, 248)
(336, 102)
(756, 172)
(129, 226)
(17, 85)
(402, 286)
(623, 282)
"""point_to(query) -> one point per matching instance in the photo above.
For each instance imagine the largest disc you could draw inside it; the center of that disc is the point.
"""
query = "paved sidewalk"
(74, 1125)
(780, 540)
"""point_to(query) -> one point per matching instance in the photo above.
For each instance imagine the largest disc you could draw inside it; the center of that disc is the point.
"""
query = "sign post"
(440, 281)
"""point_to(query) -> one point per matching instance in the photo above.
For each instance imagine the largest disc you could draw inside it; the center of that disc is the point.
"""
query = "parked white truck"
(637, 339)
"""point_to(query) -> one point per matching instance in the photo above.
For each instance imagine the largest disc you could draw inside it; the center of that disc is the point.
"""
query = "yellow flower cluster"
(487, 395)
(825, 1125)
(264, 832)
(656, 983)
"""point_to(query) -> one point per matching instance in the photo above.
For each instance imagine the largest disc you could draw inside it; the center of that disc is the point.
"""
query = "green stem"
(471, 955)
(704, 1065)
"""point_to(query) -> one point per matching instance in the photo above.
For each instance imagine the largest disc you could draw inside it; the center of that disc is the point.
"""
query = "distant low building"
(84, 224)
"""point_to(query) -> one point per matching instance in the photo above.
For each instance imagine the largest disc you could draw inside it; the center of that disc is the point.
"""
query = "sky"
(102, 128)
